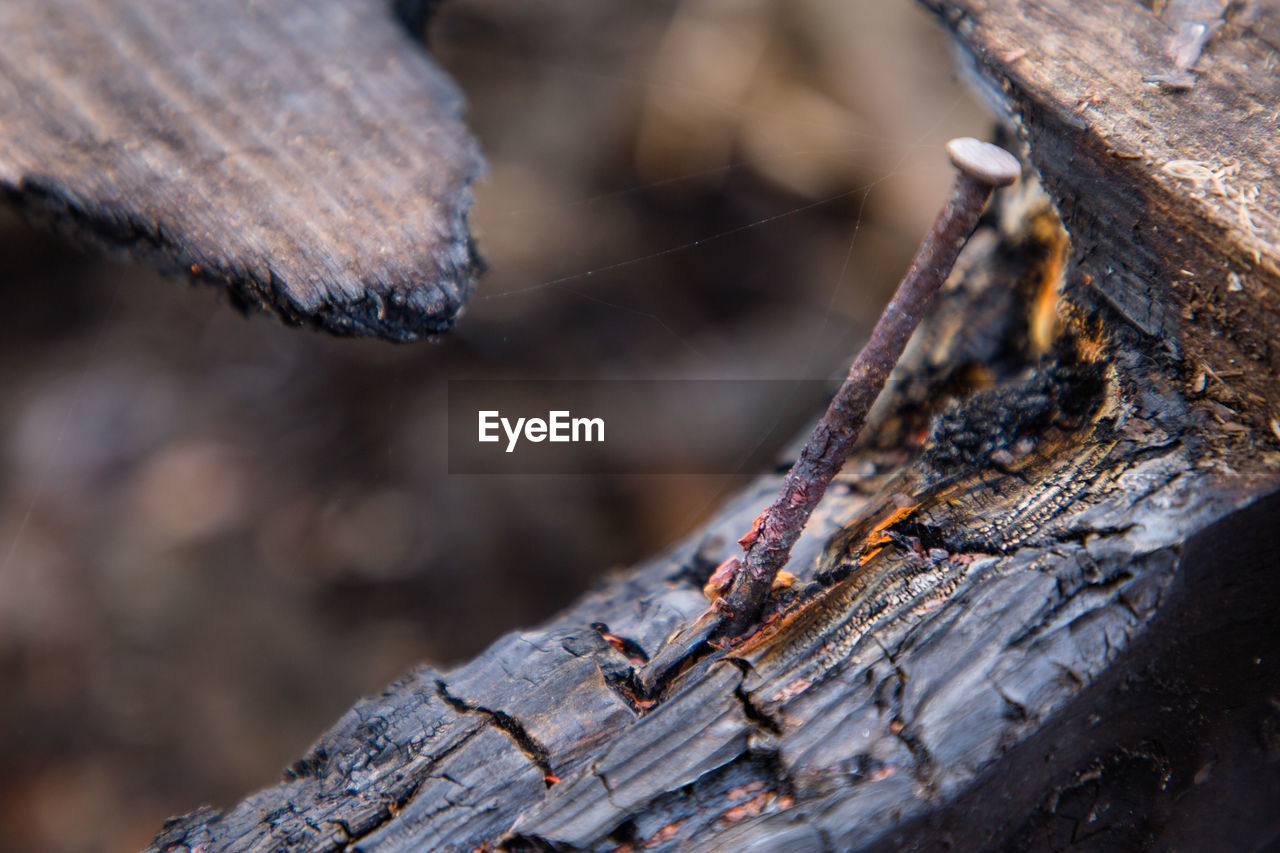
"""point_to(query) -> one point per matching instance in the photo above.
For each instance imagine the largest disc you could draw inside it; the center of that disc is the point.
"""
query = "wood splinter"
(982, 167)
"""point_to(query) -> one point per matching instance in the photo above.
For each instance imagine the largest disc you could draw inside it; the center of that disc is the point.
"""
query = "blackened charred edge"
(536, 752)
(415, 14)
(401, 312)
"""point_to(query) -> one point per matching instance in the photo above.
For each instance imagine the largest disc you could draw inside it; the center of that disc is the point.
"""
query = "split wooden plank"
(311, 157)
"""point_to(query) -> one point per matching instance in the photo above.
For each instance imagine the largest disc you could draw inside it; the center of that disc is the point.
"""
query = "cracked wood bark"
(1036, 610)
(308, 156)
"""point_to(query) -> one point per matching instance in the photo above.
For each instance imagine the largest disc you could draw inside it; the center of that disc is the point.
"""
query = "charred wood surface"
(309, 156)
(1035, 611)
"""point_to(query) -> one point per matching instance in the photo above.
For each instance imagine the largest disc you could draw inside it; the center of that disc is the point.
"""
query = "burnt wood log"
(1035, 611)
(309, 156)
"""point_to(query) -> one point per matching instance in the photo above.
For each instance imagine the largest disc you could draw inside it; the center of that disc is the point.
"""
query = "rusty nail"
(982, 167)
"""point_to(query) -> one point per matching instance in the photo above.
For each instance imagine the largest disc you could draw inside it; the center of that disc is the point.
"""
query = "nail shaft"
(768, 545)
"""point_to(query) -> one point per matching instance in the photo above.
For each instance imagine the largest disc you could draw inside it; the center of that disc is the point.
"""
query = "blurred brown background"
(217, 532)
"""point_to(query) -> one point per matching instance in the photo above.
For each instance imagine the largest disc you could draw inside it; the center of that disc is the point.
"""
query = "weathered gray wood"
(309, 156)
(1144, 176)
(1035, 611)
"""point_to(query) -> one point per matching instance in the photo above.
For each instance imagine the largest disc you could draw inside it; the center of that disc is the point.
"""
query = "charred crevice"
(617, 668)
(831, 574)
(626, 834)
(1081, 535)
(1014, 711)
(625, 684)
(370, 820)
(341, 826)
(755, 782)
(654, 681)
(371, 742)
(380, 808)
(753, 712)
(628, 647)
(914, 535)
(640, 682)
(533, 844)
(527, 744)
(923, 760)
(1002, 423)
(678, 656)
(1139, 453)
(1053, 614)
(697, 570)
(919, 535)
(891, 695)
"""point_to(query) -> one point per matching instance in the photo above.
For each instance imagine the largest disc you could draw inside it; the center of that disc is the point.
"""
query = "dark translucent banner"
(626, 426)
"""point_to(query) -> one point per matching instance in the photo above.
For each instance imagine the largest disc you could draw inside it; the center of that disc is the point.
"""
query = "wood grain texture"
(1171, 196)
(309, 156)
(1036, 610)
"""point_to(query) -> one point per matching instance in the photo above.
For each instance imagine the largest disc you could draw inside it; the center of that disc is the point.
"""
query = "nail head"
(983, 161)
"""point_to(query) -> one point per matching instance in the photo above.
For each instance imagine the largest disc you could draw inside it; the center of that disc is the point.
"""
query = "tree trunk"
(1035, 611)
